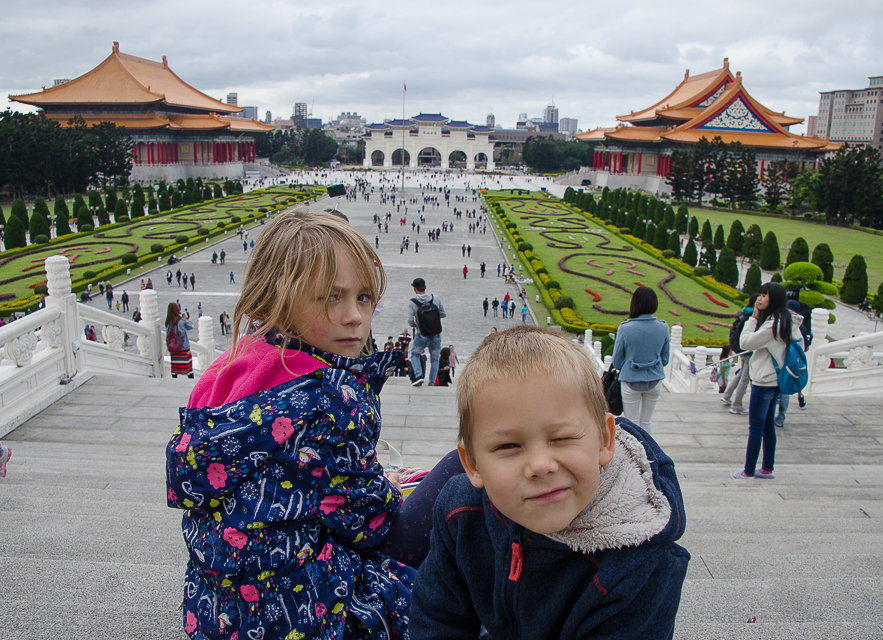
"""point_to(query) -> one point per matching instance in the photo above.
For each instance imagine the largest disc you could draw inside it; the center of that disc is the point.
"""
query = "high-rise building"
(59, 81)
(491, 121)
(299, 115)
(567, 125)
(250, 112)
(550, 114)
(853, 115)
(233, 98)
(269, 118)
(812, 125)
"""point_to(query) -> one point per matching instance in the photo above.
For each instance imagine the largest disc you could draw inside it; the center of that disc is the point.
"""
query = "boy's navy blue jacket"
(483, 569)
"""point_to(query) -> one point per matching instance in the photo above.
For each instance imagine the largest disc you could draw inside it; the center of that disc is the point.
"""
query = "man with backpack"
(425, 312)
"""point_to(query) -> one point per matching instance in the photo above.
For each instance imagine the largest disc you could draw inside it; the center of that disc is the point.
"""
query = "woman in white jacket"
(767, 333)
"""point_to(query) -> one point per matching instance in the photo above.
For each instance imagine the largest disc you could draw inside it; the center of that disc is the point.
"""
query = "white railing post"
(206, 340)
(597, 346)
(150, 346)
(817, 364)
(674, 344)
(63, 333)
(700, 358)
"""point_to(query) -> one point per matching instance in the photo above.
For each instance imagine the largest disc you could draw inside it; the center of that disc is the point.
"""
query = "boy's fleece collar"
(627, 509)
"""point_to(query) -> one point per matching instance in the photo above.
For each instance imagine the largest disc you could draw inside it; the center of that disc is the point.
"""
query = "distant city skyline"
(340, 56)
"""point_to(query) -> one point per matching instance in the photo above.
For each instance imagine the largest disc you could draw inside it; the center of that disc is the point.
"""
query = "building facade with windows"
(177, 131)
(854, 116)
(429, 140)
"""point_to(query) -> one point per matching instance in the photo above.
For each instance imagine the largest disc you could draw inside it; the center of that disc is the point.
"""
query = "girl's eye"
(506, 447)
(364, 298)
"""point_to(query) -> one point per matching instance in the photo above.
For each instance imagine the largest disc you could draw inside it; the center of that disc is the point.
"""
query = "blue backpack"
(794, 373)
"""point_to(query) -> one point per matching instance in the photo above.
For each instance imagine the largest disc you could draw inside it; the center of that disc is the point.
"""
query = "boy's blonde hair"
(295, 260)
(522, 354)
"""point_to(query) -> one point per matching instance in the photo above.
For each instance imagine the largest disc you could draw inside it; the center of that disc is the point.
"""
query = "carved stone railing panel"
(21, 349)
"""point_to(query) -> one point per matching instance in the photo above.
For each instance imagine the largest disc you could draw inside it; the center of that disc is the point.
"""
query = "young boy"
(563, 525)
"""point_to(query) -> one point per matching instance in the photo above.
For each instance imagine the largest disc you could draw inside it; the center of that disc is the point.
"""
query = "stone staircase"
(90, 549)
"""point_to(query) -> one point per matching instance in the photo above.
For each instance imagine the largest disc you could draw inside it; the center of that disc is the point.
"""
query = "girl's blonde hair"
(295, 260)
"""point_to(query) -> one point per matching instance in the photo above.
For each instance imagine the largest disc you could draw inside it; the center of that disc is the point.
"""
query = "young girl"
(182, 359)
(274, 462)
(766, 333)
(723, 369)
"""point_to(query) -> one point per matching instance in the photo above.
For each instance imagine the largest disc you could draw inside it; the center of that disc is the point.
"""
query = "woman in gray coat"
(640, 353)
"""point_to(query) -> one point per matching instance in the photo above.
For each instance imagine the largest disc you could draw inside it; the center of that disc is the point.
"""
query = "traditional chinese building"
(637, 153)
(178, 131)
(429, 140)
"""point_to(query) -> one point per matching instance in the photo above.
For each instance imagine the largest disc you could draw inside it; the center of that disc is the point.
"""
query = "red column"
(254, 152)
(640, 162)
(214, 152)
(762, 162)
(195, 153)
(620, 162)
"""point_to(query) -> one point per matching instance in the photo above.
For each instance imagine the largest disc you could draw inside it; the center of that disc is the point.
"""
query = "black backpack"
(428, 317)
(736, 331)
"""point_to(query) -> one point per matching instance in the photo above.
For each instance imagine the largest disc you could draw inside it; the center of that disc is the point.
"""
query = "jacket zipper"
(516, 563)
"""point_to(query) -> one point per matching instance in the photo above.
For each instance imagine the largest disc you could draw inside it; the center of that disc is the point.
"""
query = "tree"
(690, 254)
(823, 258)
(177, 200)
(719, 168)
(318, 147)
(803, 191)
(708, 258)
(744, 180)
(855, 281)
(14, 233)
(681, 175)
(736, 239)
(113, 152)
(682, 219)
(707, 236)
(62, 217)
(802, 273)
(719, 237)
(217, 192)
(110, 198)
(2, 218)
(702, 157)
(849, 185)
(670, 218)
(753, 242)
(878, 300)
(84, 217)
(770, 259)
(775, 184)
(693, 229)
(674, 244)
(120, 212)
(78, 202)
(726, 271)
(660, 238)
(137, 208)
(799, 251)
(20, 211)
(38, 226)
(752, 280)
(650, 234)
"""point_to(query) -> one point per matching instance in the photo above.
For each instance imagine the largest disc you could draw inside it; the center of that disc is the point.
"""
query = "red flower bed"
(714, 300)
(594, 295)
(703, 327)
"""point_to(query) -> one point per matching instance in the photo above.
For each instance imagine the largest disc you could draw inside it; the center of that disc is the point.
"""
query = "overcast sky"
(595, 59)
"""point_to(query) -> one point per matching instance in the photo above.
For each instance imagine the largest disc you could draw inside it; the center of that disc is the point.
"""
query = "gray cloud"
(464, 59)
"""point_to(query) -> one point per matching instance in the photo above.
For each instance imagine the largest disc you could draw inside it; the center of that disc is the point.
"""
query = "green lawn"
(844, 243)
(22, 270)
(581, 254)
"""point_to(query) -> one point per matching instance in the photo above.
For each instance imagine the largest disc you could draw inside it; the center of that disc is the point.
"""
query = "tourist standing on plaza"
(282, 404)
(124, 300)
(767, 333)
(444, 367)
(223, 256)
(465, 271)
(169, 277)
(454, 360)
(108, 294)
(485, 305)
(425, 312)
(738, 383)
(640, 353)
(177, 341)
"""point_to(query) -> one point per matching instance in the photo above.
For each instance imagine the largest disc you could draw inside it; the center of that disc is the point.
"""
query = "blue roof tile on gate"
(399, 123)
(376, 126)
(430, 117)
(481, 129)
(459, 124)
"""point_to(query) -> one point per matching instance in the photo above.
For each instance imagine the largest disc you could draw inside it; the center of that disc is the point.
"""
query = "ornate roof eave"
(691, 90)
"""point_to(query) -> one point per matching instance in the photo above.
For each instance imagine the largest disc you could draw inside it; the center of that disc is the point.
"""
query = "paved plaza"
(90, 550)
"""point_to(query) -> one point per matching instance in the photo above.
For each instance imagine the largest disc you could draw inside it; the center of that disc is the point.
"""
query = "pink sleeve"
(257, 367)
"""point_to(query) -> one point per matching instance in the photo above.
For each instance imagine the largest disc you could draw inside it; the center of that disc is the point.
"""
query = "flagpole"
(404, 92)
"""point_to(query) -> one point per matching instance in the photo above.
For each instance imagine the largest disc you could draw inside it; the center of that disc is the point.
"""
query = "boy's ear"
(608, 444)
(469, 466)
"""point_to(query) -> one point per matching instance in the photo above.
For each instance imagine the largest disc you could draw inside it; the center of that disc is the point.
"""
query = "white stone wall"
(171, 172)
(429, 136)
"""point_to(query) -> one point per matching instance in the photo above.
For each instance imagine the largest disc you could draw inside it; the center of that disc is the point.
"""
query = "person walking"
(523, 313)
(193, 282)
(223, 256)
(444, 367)
(463, 249)
(124, 301)
(178, 276)
(425, 312)
(177, 341)
(232, 280)
(469, 251)
(169, 277)
(482, 268)
(108, 293)
(485, 306)
(465, 271)
(738, 382)
(494, 305)
(767, 333)
(222, 320)
(454, 360)
(640, 353)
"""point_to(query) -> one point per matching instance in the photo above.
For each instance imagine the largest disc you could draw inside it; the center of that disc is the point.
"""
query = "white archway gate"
(429, 140)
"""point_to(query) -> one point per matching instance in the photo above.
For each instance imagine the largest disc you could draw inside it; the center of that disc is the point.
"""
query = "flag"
(406, 87)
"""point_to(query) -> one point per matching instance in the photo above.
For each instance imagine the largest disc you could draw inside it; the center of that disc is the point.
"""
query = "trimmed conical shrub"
(690, 253)
(736, 239)
(770, 258)
(726, 270)
(799, 252)
(823, 258)
(14, 233)
(855, 281)
(752, 280)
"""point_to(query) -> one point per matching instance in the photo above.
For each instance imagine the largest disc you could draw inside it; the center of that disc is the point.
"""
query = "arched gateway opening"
(480, 161)
(397, 157)
(377, 159)
(457, 159)
(429, 157)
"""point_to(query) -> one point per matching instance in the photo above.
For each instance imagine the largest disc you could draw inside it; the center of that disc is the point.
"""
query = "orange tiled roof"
(595, 135)
(691, 90)
(151, 120)
(125, 79)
